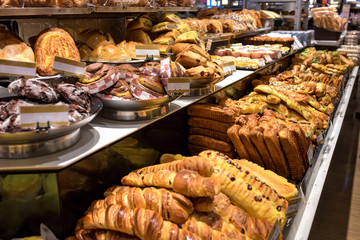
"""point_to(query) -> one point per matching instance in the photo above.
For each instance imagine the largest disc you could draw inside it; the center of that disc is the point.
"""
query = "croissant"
(186, 182)
(247, 191)
(140, 222)
(201, 165)
(203, 230)
(171, 206)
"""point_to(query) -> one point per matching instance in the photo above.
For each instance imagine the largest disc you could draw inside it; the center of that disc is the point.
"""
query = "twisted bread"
(201, 165)
(247, 191)
(171, 206)
(140, 222)
(188, 183)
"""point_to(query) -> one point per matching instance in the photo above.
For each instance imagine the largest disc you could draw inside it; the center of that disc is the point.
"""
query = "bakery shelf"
(314, 180)
(7, 12)
(99, 134)
(99, 9)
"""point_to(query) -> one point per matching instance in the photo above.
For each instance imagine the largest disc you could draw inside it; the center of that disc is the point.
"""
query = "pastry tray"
(56, 132)
(132, 105)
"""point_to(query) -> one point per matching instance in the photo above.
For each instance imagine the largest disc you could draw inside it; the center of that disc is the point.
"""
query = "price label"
(275, 232)
(143, 51)
(293, 206)
(229, 67)
(30, 116)
(320, 138)
(297, 43)
(261, 62)
(68, 66)
(310, 153)
(279, 54)
(180, 84)
(17, 68)
(267, 58)
(208, 44)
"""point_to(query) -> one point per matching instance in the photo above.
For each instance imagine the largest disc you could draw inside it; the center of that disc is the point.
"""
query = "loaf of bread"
(138, 36)
(95, 37)
(141, 23)
(129, 47)
(84, 51)
(50, 43)
(109, 53)
(13, 48)
(190, 59)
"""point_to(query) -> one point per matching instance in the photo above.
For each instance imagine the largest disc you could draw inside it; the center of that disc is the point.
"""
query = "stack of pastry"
(208, 125)
(197, 61)
(162, 30)
(209, 196)
(98, 46)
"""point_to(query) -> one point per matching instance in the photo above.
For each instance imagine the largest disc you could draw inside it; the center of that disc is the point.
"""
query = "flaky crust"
(210, 133)
(188, 183)
(254, 155)
(233, 133)
(209, 124)
(50, 43)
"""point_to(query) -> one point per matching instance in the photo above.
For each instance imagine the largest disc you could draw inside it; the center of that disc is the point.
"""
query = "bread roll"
(129, 47)
(95, 37)
(84, 51)
(140, 23)
(12, 48)
(138, 36)
(50, 43)
(109, 53)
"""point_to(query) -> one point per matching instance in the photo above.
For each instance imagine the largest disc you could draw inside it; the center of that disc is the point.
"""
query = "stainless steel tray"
(132, 105)
(32, 136)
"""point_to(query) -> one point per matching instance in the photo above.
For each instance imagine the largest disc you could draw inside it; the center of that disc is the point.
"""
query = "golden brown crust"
(50, 43)
(244, 134)
(233, 133)
(210, 133)
(211, 111)
(190, 59)
(179, 47)
(13, 48)
(95, 37)
(196, 149)
(203, 230)
(188, 183)
(210, 143)
(199, 164)
(292, 153)
(171, 206)
(209, 124)
(276, 152)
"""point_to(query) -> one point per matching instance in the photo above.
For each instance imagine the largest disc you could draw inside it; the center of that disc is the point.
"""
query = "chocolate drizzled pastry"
(34, 89)
(75, 95)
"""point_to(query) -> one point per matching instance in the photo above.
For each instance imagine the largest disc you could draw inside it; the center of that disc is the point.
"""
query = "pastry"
(190, 37)
(95, 37)
(165, 26)
(173, 34)
(210, 133)
(244, 134)
(199, 72)
(210, 143)
(109, 53)
(186, 182)
(138, 36)
(214, 26)
(164, 40)
(75, 95)
(209, 124)
(203, 230)
(129, 47)
(120, 89)
(191, 59)
(179, 47)
(196, 149)
(171, 206)
(170, 17)
(200, 165)
(140, 90)
(50, 43)
(233, 133)
(140, 23)
(13, 48)
(84, 51)
(97, 72)
(211, 111)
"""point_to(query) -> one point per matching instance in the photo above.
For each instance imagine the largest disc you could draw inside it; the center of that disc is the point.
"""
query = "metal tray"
(132, 105)
(32, 136)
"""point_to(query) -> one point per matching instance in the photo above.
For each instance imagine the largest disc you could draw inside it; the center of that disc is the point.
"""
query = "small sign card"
(229, 67)
(293, 206)
(275, 232)
(143, 51)
(267, 58)
(17, 68)
(310, 153)
(55, 114)
(68, 66)
(181, 84)
(208, 44)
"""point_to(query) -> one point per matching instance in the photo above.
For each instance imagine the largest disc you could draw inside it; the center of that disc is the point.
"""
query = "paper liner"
(111, 97)
(107, 81)
(140, 94)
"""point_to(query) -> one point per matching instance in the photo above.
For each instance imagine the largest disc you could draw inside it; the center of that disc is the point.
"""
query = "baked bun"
(170, 17)
(164, 49)
(95, 37)
(13, 48)
(84, 51)
(50, 43)
(173, 34)
(109, 53)
(190, 37)
(164, 40)
(129, 47)
(165, 26)
(138, 36)
(214, 26)
(10, 3)
(143, 92)
(140, 23)
(179, 47)
(121, 89)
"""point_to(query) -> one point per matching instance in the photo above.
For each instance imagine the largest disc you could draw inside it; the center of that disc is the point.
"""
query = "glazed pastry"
(171, 206)
(50, 43)
(197, 164)
(190, 37)
(165, 26)
(170, 17)
(164, 40)
(34, 89)
(186, 182)
(109, 53)
(203, 230)
(152, 83)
